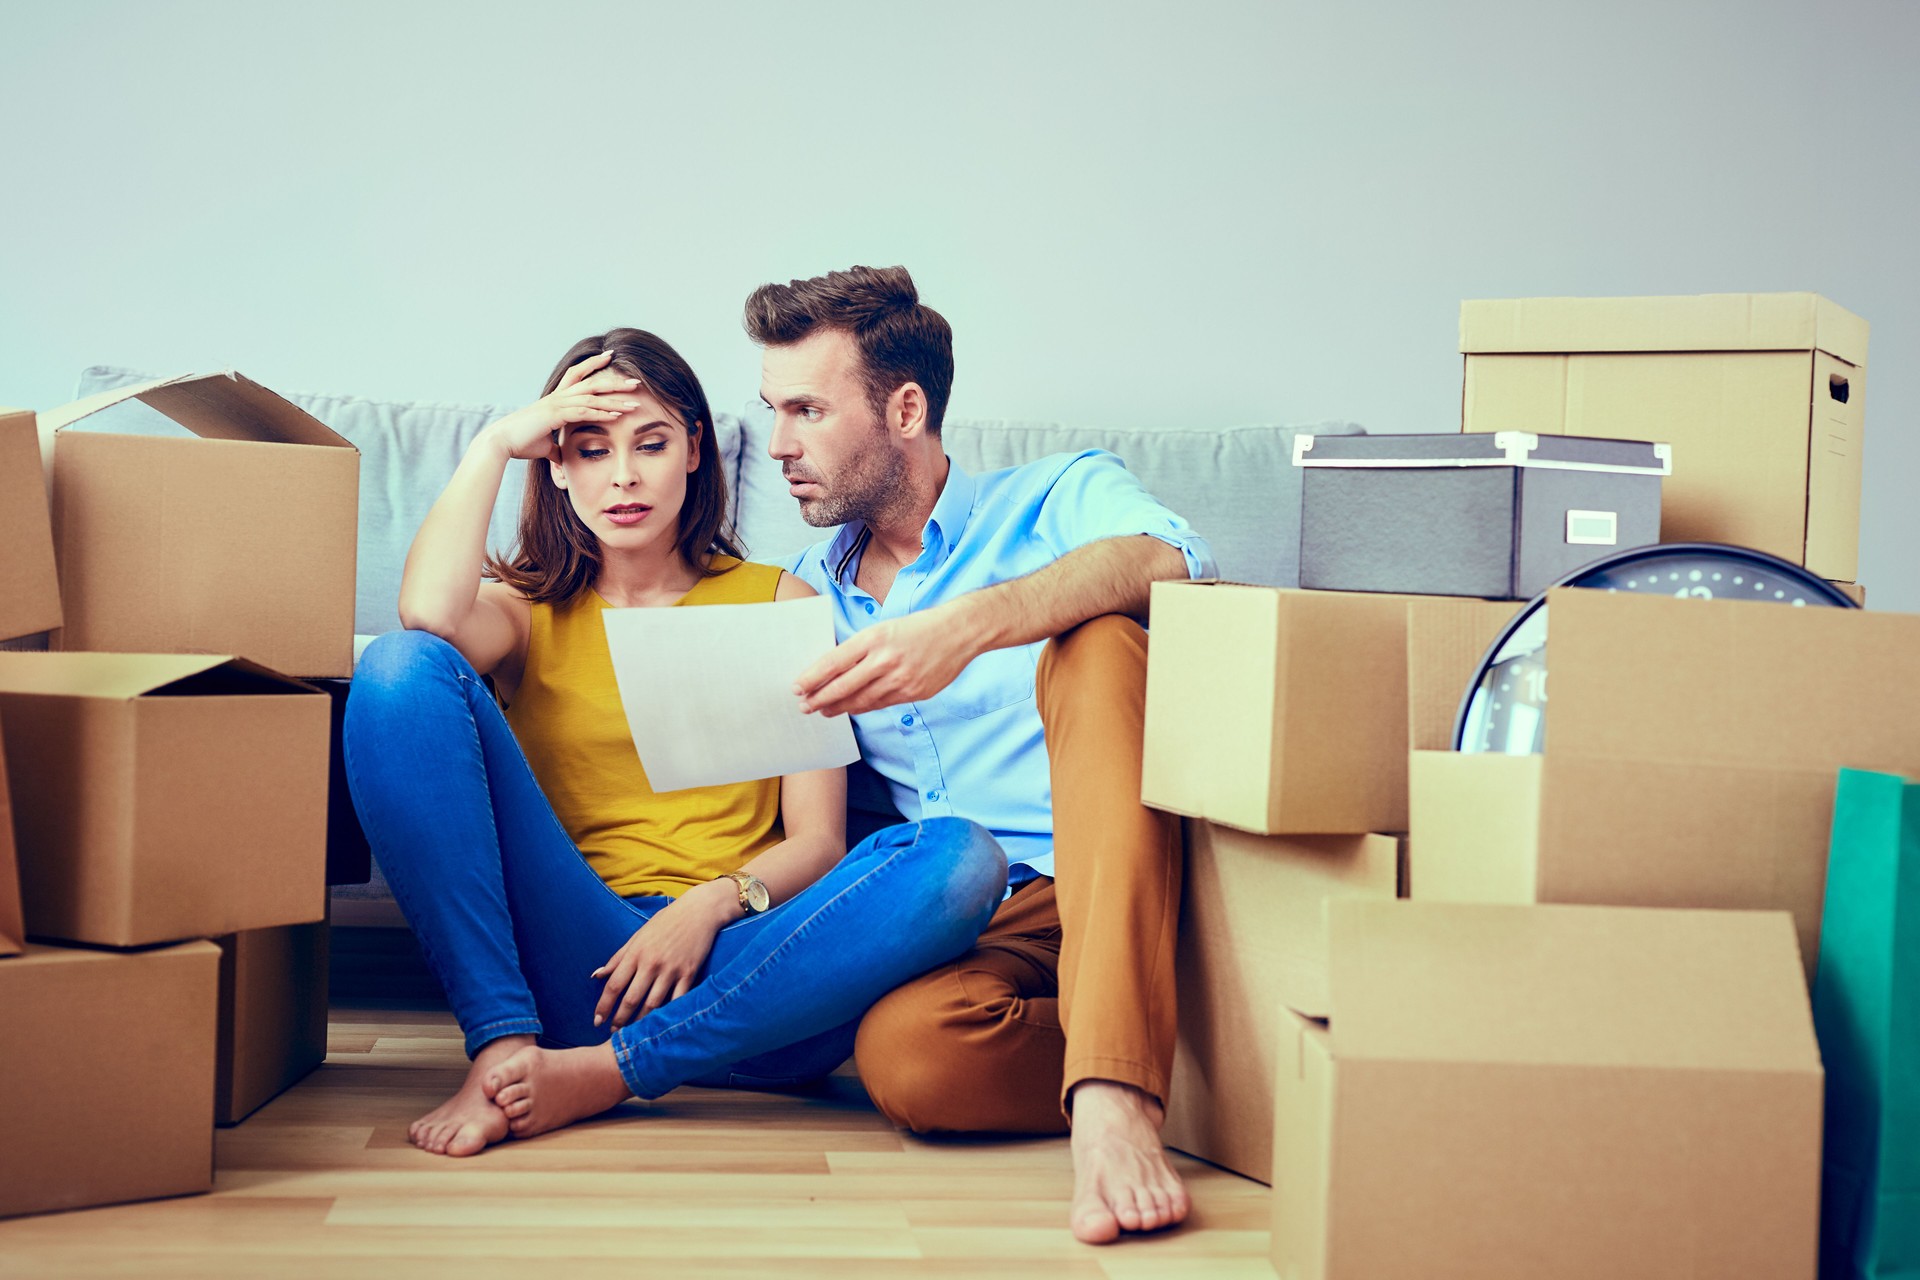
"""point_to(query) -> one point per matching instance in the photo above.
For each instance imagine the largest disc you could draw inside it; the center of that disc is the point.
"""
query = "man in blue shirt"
(992, 663)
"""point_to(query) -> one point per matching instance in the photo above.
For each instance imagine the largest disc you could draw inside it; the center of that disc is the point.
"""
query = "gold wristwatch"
(754, 897)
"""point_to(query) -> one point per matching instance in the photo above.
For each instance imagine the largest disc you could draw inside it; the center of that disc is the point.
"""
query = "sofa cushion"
(1236, 485)
(408, 452)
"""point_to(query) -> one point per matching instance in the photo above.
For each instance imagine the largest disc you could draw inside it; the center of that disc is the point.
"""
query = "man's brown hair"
(900, 340)
(555, 556)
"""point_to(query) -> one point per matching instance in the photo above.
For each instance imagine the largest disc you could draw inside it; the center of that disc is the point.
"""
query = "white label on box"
(1593, 528)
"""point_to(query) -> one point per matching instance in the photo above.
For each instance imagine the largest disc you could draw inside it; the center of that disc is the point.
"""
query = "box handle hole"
(1837, 388)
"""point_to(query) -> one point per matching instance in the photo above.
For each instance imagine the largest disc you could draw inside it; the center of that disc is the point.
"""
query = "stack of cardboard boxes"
(166, 785)
(1472, 1083)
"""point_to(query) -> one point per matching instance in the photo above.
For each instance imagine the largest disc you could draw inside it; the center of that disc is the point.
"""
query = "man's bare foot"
(468, 1122)
(1121, 1178)
(540, 1089)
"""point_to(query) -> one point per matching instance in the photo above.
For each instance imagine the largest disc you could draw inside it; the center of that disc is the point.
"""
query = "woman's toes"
(467, 1140)
(514, 1070)
(515, 1092)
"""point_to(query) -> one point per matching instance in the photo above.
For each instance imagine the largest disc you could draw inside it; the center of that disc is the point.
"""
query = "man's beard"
(867, 489)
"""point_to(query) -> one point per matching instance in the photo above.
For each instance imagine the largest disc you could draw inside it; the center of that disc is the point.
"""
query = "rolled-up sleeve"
(1094, 496)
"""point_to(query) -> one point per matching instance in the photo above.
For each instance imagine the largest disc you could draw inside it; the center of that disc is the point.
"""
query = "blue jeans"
(512, 919)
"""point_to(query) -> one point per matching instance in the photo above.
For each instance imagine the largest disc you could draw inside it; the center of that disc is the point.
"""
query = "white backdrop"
(1249, 212)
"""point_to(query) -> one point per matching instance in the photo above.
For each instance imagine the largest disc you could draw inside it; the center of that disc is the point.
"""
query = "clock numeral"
(1694, 593)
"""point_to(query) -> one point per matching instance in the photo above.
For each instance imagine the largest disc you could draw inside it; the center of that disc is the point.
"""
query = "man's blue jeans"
(513, 920)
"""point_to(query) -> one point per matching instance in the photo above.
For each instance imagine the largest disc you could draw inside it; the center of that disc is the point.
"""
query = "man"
(946, 589)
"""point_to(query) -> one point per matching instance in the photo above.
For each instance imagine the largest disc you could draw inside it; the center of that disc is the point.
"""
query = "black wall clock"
(1505, 709)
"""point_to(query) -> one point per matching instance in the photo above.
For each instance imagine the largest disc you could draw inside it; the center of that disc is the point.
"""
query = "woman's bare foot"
(1121, 1178)
(540, 1089)
(468, 1122)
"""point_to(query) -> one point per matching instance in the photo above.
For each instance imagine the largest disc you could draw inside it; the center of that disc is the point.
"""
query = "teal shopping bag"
(1866, 1008)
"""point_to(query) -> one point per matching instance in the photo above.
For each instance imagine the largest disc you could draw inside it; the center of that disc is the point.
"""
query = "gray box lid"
(1485, 449)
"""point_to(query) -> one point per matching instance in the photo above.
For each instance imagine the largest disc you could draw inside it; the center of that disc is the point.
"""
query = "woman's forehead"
(650, 416)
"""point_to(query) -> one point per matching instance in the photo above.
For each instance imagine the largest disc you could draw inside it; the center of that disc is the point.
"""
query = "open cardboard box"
(1280, 711)
(1691, 752)
(29, 583)
(1253, 940)
(1576, 1092)
(163, 796)
(238, 539)
(110, 1058)
(1761, 395)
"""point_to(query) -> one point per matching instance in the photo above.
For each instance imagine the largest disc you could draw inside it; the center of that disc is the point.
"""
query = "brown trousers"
(1073, 978)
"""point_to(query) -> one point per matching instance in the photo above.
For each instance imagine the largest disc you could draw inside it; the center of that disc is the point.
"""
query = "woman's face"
(627, 479)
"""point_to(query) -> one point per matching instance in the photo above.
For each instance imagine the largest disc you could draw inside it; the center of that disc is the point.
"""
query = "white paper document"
(708, 691)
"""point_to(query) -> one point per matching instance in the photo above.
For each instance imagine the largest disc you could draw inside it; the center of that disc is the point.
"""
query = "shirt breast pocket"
(994, 681)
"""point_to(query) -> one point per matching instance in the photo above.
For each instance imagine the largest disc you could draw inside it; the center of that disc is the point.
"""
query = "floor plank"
(702, 1183)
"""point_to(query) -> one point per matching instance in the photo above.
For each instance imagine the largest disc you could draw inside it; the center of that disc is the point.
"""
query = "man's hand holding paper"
(747, 722)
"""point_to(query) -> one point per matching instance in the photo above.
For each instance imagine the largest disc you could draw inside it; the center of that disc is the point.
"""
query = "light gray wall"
(1248, 212)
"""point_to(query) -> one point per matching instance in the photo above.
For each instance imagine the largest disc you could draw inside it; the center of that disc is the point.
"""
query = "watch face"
(1505, 710)
(758, 899)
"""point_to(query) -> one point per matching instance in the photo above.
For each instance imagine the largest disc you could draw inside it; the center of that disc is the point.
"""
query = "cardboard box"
(1575, 1092)
(1503, 516)
(160, 797)
(1761, 395)
(1692, 748)
(1284, 712)
(111, 1057)
(29, 584)
(1275, 710)
(1446, 639)
(273, 1015)
(13, 930)
(1253, 939)
(1855, 592)
(238, 540)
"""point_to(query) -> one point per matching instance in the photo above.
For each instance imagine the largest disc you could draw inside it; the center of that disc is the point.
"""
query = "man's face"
(840, 461)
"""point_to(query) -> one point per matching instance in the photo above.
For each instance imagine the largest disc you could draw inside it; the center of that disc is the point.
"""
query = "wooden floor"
(322, 1182)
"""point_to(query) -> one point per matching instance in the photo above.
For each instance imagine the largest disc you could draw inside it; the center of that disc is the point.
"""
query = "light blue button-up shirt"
(975, 749)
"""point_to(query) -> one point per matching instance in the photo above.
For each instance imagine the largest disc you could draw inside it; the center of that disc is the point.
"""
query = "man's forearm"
(1113, 575)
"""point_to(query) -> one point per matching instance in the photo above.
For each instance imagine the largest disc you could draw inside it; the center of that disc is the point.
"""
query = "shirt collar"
(948, 521)
(955, 505)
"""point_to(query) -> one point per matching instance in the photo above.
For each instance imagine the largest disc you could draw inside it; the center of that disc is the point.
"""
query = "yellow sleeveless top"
(567, 717)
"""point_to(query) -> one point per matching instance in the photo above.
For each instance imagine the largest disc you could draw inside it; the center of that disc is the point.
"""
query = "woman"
(715, 934)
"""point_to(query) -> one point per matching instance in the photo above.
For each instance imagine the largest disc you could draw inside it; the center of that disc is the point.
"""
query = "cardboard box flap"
(13, 930)
(132, 675)
(1707, 322)
(29, 571)
(214, 406)
(1730, 682)
(1568, 985)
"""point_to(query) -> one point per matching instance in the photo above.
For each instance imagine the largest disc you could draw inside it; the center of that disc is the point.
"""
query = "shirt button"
(869, 606)
(933, 795)
(906, 720)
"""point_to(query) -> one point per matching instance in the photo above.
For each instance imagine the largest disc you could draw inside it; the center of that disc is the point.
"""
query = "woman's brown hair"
(555, 557)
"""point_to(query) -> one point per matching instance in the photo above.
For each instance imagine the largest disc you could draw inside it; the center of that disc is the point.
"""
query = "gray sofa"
(1235, 484)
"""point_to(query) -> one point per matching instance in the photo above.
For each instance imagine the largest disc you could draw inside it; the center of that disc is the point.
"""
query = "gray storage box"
(1501, 515)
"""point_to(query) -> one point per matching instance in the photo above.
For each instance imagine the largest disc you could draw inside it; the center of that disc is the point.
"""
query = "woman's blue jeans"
(513, 920)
